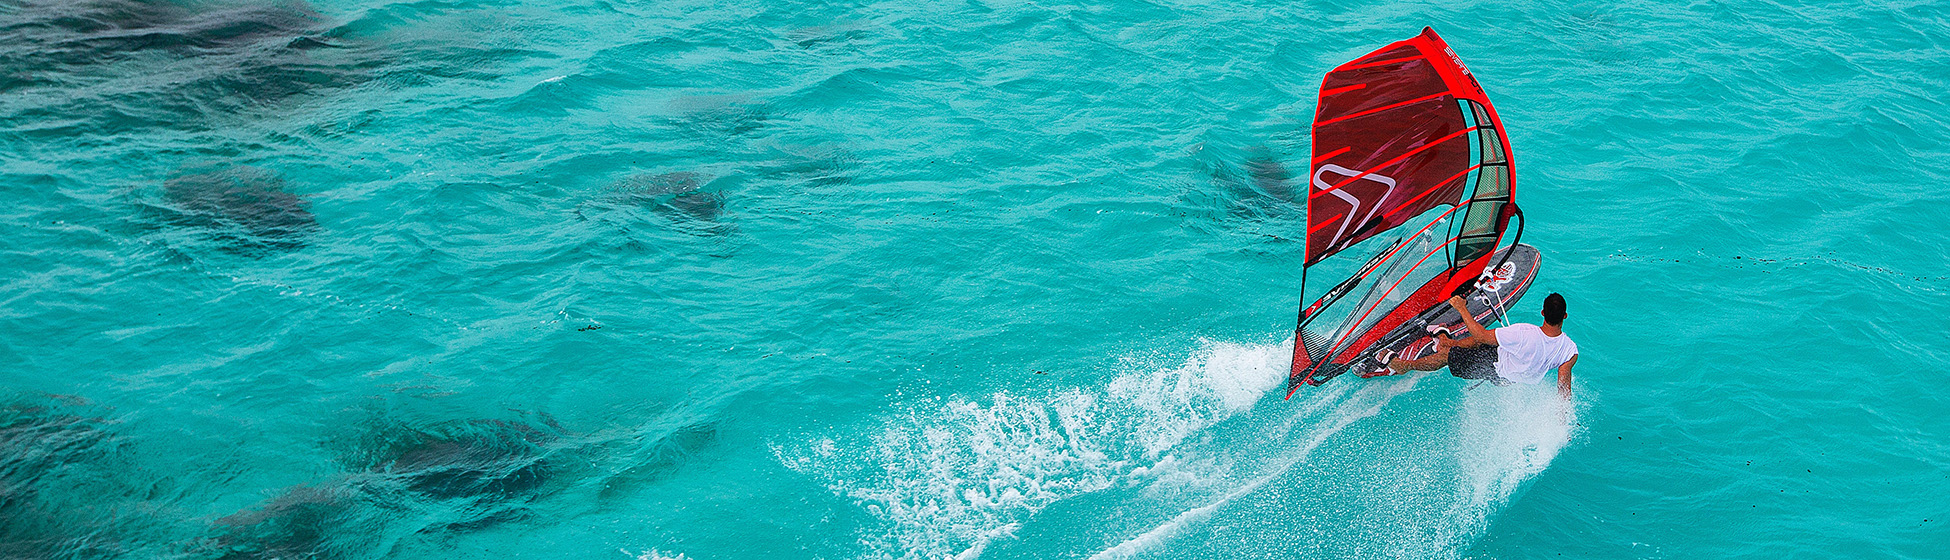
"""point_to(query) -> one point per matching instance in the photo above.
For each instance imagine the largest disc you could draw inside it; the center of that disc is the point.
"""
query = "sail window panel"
(1478, 235)
(1491, 145)
(1492, 182)
(1482, 117)
(1481, 219)
(1470, 249)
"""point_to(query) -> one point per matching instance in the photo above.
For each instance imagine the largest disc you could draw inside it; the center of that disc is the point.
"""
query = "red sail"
(1399, 132)
(1390, 142)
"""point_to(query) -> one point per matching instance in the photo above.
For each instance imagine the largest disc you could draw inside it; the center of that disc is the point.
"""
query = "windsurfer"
(1521, 352)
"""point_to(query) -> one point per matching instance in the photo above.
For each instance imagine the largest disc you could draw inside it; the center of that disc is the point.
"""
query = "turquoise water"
(939, 280)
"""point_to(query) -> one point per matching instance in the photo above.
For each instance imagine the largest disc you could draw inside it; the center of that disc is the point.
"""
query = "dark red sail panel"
(1390, 142)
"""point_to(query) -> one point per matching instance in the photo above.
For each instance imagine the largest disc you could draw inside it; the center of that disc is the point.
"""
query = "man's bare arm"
(1476, 330)
(1564, 377)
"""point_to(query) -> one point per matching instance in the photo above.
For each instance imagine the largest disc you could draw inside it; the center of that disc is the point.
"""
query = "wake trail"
(952, 477)
(947, 478)
(1366, 402)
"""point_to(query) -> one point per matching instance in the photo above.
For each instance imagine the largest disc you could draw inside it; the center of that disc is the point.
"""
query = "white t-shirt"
(1524, 353)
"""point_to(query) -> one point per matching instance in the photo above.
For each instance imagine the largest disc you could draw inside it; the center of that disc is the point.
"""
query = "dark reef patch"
(483, 459)
(248, 210)
(1269, 178)
(683, 196)
(305, 522)
(405, 480)
(1251, 185)
(94, 31)
(57, 479)
(101, 66)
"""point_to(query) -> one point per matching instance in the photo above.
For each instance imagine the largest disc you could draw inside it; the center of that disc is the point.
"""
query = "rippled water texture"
(616, 279)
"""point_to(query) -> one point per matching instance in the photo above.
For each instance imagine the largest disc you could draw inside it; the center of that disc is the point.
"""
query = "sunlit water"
(668, 280)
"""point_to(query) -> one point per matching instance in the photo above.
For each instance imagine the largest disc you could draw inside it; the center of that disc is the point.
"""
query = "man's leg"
(1431, 362)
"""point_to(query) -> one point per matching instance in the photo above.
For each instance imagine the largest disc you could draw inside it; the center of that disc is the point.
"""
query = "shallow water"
(1000, 280)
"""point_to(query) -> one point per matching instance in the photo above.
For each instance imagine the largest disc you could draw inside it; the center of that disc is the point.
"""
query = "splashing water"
(1414, 481)
(948, 480)
(1366, 401)
(654, 554)
(1503, 438)
(953, 480)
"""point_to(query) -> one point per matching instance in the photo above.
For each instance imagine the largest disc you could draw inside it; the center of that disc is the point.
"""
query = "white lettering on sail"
(1353, 203)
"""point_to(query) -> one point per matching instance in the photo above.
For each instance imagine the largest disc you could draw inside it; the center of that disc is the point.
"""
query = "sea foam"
(946, 480)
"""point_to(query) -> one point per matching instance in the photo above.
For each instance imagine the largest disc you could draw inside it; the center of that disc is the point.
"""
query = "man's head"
(1554, 310)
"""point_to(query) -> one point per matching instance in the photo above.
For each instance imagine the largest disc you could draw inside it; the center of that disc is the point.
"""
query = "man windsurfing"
(1521, 352)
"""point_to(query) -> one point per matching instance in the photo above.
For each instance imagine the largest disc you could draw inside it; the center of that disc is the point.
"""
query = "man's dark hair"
(1554, 309)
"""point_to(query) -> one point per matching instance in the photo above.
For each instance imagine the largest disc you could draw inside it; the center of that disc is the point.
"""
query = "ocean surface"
(610, 279)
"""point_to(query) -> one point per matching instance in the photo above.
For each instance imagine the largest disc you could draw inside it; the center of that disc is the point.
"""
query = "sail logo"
(1456, 59)
(1354, 204)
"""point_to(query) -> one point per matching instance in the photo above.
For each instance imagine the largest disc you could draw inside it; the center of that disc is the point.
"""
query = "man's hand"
(1476, 330)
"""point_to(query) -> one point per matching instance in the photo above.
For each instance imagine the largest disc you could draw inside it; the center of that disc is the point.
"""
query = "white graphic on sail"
(1354, 203)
